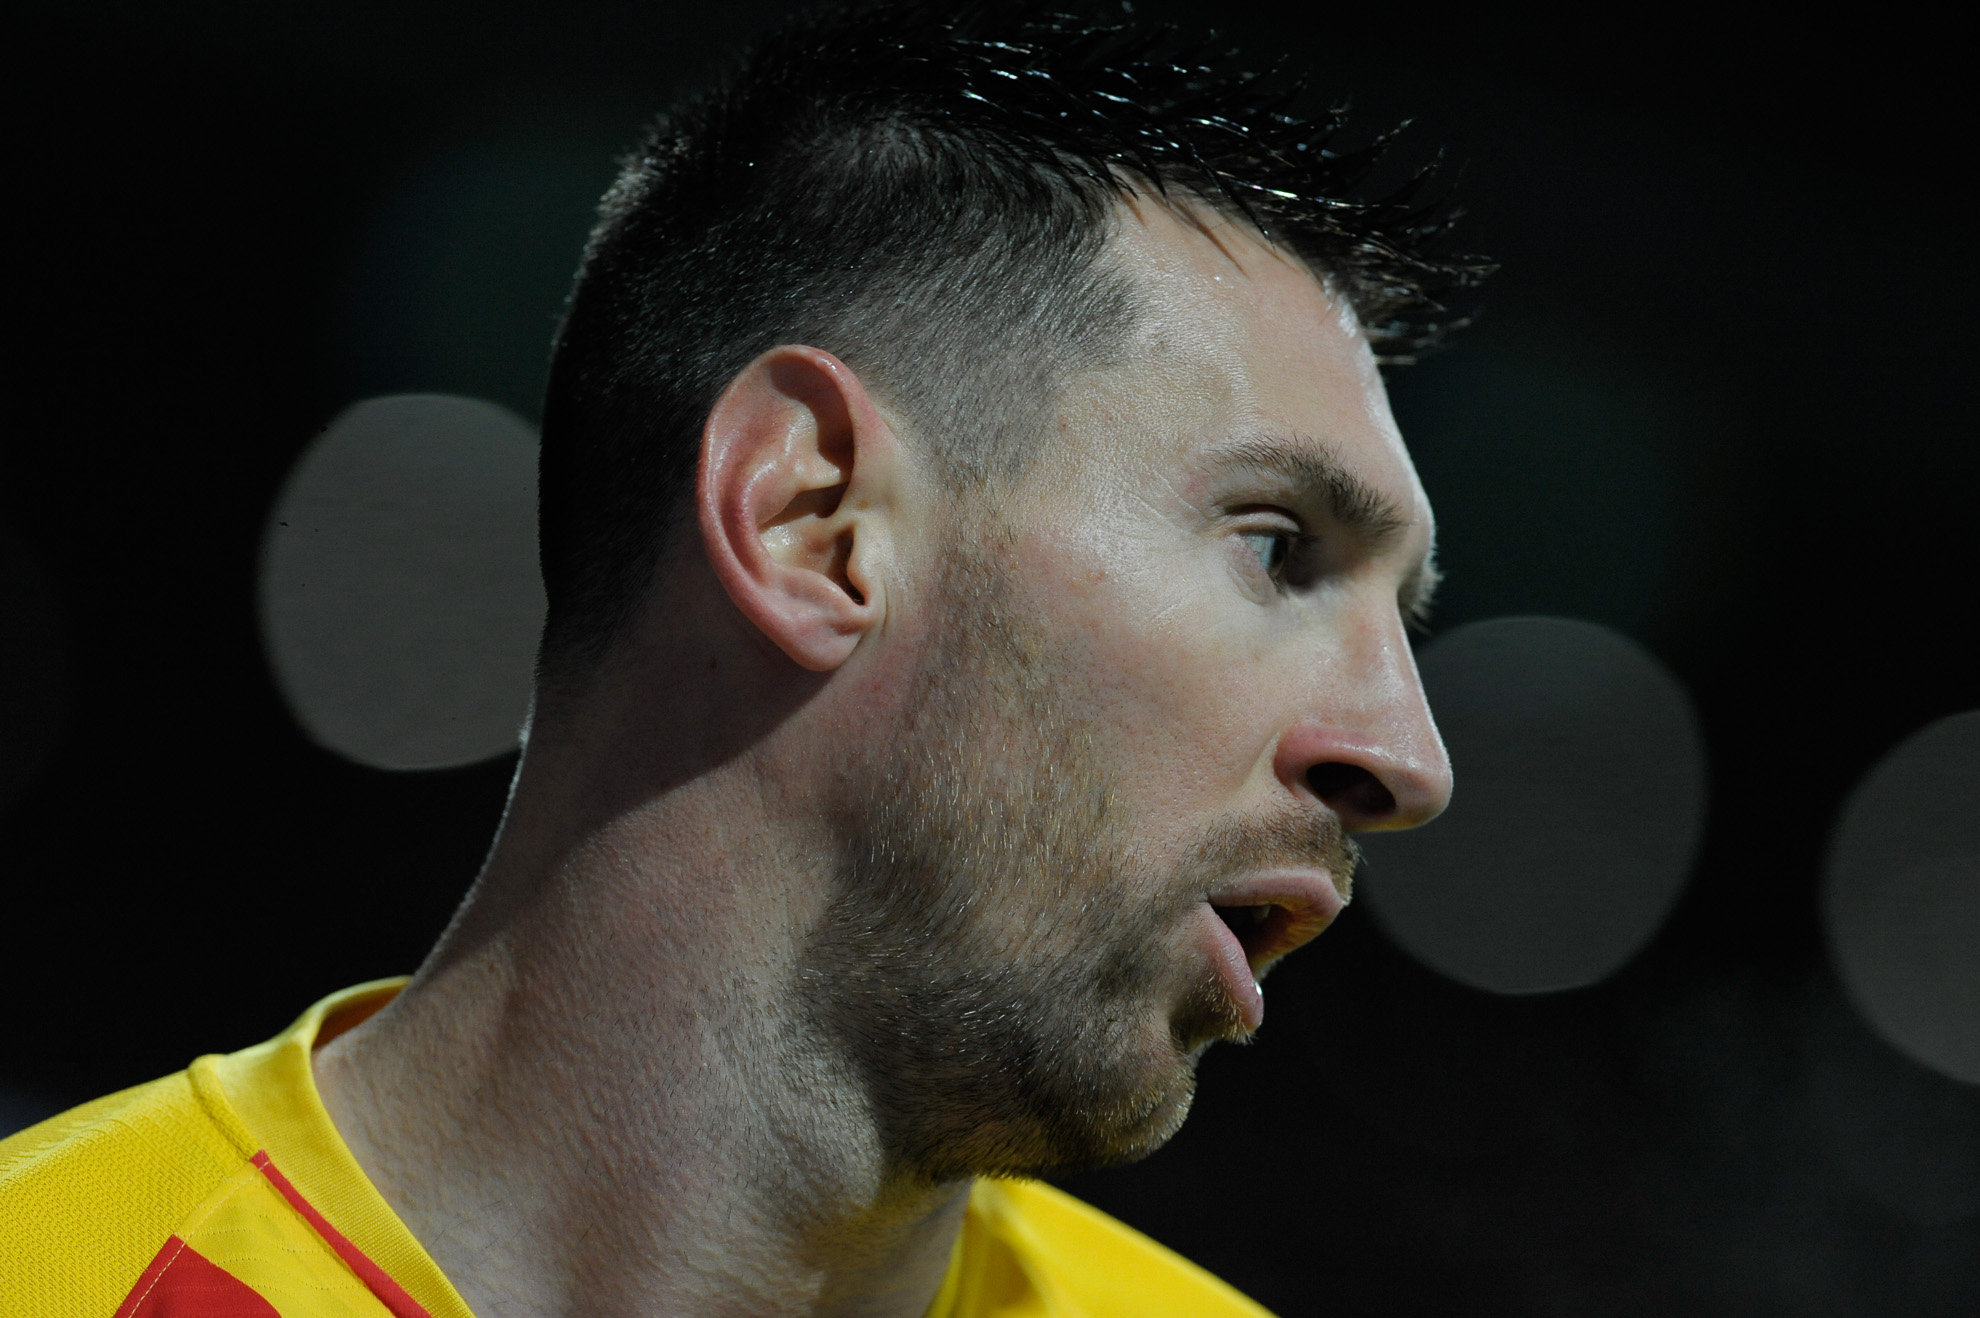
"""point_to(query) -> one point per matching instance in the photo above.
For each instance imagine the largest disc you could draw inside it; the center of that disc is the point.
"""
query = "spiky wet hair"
(924, 192)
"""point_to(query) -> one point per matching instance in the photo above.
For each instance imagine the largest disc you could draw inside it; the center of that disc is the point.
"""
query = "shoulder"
(1079, 1261)
(88, 1197)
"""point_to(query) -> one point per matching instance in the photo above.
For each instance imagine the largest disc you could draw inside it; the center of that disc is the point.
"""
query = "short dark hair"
(925, 193)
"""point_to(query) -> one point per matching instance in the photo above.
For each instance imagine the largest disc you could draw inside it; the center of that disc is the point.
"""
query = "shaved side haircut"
(925, 193)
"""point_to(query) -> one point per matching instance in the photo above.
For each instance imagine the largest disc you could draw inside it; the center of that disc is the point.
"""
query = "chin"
(1146, 1109)
(1124, 1110)
(1159, 1127)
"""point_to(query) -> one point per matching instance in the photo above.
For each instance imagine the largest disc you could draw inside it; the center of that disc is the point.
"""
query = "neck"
(602, 1092)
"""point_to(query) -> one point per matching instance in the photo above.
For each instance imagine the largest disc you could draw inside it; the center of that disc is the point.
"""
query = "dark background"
(1721, 398)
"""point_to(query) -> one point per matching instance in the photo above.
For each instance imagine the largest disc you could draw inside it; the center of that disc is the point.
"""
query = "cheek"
(1171, 681)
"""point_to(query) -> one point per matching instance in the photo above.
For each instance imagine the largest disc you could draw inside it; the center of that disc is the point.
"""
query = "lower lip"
(1234, 971)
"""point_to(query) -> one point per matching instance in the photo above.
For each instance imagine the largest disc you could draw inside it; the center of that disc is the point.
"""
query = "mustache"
(1287, 838)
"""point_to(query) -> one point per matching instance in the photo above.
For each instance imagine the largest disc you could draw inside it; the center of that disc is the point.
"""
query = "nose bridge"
(1368, 719)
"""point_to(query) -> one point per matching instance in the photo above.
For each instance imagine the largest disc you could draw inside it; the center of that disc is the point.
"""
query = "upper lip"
(1296, 905)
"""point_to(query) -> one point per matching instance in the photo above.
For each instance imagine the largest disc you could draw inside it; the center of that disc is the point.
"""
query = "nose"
(1376, 761)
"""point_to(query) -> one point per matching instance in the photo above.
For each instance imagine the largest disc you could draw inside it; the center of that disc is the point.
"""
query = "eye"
(1285, 554)
(1272, 548)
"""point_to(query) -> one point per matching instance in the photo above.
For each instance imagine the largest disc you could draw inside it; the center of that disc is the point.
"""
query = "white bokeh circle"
(1901, 897)
(400, 595)
(1577, 812)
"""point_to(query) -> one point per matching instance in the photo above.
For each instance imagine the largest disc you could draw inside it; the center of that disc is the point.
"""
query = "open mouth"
(1272, 914)
(1264, 918)
(1267, 931)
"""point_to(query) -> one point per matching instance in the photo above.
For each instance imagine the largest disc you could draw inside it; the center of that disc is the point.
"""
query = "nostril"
(1355, 794)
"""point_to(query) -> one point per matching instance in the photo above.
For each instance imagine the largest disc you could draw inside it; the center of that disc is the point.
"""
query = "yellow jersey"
(225, 1192)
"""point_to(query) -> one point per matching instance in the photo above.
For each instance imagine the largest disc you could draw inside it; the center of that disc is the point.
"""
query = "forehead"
(1236, 340)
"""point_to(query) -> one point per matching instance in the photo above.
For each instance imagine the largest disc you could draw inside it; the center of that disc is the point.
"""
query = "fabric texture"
(226, 1192)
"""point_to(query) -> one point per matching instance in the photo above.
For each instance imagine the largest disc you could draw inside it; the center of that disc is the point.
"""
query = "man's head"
(926, 195)
(1115, 780)
(1047, 478)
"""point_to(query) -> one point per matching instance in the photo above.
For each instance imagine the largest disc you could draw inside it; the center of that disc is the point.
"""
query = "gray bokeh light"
(1905, 1134)
(1579, 803)
(1901, 897)
(400, 595)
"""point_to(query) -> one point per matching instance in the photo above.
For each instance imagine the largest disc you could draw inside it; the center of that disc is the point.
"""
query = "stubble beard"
(997, 966)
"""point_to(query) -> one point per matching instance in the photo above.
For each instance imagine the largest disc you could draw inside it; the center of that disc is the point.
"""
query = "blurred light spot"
(1904, 1133)
(1579, 802)
(1901, 899)
(400, 596)
(34, 657)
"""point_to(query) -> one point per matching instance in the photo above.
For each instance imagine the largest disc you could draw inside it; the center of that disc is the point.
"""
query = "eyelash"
(1280, 555)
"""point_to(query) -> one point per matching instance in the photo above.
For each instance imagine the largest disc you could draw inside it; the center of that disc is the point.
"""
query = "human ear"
(796, 467)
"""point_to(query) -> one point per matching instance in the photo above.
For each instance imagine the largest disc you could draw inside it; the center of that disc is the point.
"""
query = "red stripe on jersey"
(392, 1295)
(183, 1283)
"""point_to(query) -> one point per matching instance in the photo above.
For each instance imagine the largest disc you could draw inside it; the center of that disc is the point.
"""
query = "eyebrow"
(1319, 478)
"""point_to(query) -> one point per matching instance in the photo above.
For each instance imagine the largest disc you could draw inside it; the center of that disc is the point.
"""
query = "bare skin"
(599, 1094)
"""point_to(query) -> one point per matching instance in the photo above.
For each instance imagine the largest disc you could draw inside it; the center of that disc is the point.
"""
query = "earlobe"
(796, 463)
